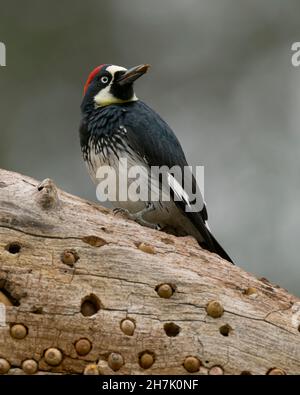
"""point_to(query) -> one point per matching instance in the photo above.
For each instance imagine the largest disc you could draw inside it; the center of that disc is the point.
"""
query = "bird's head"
(108, 84)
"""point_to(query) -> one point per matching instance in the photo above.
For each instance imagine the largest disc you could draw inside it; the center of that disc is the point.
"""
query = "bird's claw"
(138, 217)
(119, 210)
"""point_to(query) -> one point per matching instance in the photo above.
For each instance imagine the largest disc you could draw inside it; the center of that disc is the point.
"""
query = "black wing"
(150, 136)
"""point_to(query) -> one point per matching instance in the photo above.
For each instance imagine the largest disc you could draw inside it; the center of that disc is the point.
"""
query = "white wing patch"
(178, 190)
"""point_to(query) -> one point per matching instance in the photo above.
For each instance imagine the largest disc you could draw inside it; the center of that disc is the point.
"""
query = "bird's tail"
(218, 249)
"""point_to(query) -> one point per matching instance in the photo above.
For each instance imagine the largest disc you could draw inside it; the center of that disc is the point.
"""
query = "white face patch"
(104, 97)
(113, 69)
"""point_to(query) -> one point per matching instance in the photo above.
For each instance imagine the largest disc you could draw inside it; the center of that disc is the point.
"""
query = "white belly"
(166, 213)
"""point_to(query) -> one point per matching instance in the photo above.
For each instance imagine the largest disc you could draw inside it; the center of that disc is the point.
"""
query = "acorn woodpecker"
(116, 125)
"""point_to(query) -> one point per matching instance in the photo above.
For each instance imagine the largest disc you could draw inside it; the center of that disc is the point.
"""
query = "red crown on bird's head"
(92, 76)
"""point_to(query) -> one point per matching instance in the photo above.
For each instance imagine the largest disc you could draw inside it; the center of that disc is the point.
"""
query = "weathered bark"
(70, 270)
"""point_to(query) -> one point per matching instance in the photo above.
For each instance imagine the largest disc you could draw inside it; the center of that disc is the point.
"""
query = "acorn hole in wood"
(146, 359)
(94, 241)
(246, 373)
(192, 364)
(115, 361)
(53, 356)
(225, 330)
(83, 346)
(165, 290)
(91, 370)
(145, 247)
(171, 329)
(69, 257)
(276, 372)
(8, 295)
(216, 371)
(18, 331)
(29, 366)
(127, 326)
(90, 305)
(214, 309)
(13, 248)
(4, 366)
(37, 310)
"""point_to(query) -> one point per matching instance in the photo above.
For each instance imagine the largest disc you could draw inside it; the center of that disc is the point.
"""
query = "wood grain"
(63, 258)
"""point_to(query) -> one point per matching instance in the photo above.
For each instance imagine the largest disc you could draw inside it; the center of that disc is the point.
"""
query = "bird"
(117, 125)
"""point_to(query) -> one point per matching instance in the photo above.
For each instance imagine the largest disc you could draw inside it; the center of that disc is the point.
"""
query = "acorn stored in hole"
(91, 370)
(4, 366)
(146, 360)
(192, 364)
(127, 327)
(115, 361)
(53, 356)
(18, 331)
(30, 366)
(83, 346)
(214, 309)
(165, 291)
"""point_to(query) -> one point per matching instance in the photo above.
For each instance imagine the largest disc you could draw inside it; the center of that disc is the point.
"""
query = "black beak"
(133, 74)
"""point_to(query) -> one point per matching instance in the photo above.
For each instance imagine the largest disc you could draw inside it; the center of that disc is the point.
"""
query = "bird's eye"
(104, 79)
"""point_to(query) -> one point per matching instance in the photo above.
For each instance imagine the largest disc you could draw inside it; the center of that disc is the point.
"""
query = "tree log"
(90, 292)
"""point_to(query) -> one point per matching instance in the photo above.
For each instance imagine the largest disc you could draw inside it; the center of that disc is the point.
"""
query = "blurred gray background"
(222, 78)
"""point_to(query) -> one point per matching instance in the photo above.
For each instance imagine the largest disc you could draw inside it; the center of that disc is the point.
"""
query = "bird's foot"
(138, 217)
